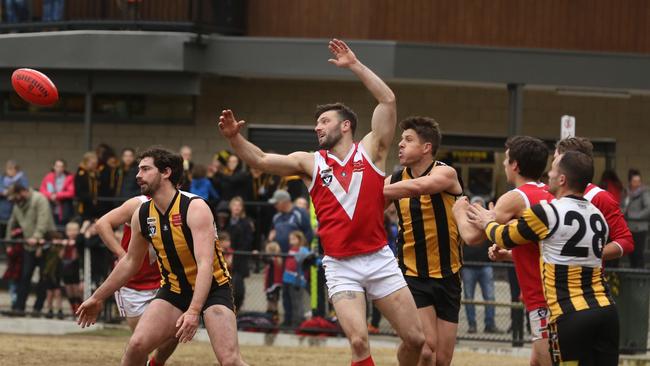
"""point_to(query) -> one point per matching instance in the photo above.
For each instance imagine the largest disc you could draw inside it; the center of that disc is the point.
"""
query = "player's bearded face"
(148, 187)
(332, 137)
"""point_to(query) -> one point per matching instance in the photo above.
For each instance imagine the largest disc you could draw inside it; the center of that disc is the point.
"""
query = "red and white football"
(34, 87)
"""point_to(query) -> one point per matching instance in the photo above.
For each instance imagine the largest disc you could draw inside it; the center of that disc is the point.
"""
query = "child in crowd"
(14, 266)
(51, 276)
(71, 267)
(293, 279)
(202, 185)
(273, 278)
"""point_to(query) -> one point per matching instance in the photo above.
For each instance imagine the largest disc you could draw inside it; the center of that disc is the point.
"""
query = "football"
(34, 87)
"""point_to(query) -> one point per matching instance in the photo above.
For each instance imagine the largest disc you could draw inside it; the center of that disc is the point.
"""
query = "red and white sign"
(567, 126)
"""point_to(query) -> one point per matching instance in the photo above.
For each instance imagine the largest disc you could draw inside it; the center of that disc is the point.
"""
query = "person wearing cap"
(288, 218)
(31, 212)
(12, 174)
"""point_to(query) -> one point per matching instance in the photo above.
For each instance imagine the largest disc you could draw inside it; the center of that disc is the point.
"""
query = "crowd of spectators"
(48, 229)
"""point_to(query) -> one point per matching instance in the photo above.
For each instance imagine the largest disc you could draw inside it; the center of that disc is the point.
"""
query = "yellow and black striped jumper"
(583, 318)
(171, 238)
(86, 187)
(429, 248)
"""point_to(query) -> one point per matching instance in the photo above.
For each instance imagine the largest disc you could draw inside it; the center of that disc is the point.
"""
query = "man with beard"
(195, 280)
(133, 298)
(345, 181)
(572, 234)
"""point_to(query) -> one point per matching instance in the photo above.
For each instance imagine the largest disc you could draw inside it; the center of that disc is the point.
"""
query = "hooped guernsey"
(572, 233)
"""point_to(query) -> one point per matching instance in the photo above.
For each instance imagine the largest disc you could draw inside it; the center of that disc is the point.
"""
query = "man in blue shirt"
(288, 219)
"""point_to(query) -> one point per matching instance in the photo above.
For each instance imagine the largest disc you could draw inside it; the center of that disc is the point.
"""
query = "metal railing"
(509, 315)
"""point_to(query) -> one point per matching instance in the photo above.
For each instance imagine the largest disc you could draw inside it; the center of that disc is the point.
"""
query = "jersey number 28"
(598, 228)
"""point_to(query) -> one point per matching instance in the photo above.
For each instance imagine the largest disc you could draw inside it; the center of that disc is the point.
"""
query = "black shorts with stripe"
(589, 337)
(218, 295)
(441, 293)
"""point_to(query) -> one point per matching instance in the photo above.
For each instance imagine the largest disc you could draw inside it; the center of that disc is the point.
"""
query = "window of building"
(113, 108)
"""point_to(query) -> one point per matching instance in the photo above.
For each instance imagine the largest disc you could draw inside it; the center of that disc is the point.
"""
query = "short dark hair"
(427, 129)
(578, 168)
(632, 173)
(163, 159)
(104, 152)
(17, 188)
(530, 153)
(14, 190)
(581, 144)
(344, 112)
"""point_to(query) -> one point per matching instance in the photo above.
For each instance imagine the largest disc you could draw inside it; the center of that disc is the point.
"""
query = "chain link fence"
(498, 314)
(494, 313)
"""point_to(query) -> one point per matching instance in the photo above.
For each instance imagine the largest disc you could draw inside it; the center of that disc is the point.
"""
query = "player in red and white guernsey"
(524, 164)
(620, 238)
(346, 182)
(133, 298)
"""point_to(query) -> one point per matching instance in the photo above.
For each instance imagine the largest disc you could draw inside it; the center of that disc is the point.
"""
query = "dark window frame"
(65, 116)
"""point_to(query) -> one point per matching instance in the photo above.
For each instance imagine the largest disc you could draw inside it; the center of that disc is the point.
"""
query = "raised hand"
(228, 124)
(343, 55)
(88, 311)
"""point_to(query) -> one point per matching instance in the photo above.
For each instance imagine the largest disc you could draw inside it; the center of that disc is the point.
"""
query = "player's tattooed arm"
(344, 295)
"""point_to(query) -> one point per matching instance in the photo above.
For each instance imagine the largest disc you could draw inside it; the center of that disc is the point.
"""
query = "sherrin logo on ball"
(34, 87)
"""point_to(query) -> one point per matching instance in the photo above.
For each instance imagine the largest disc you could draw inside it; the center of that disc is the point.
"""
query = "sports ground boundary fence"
(630, 287)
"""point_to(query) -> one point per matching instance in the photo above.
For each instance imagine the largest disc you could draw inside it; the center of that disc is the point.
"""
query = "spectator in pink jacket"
(58, 187)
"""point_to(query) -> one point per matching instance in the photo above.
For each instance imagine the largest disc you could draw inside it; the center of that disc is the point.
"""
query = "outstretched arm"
(531, 226)
(297, 163)
(440, 179)
(125, 269)
(384, 118)
(471, 234)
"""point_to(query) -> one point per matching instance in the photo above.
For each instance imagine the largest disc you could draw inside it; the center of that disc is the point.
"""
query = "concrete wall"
(458, 109)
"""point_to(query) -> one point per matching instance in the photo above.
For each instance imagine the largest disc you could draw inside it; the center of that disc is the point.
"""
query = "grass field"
(105, 348)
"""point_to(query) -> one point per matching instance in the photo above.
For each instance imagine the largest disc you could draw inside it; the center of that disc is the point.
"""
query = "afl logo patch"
(326, 177)
(151, 224)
